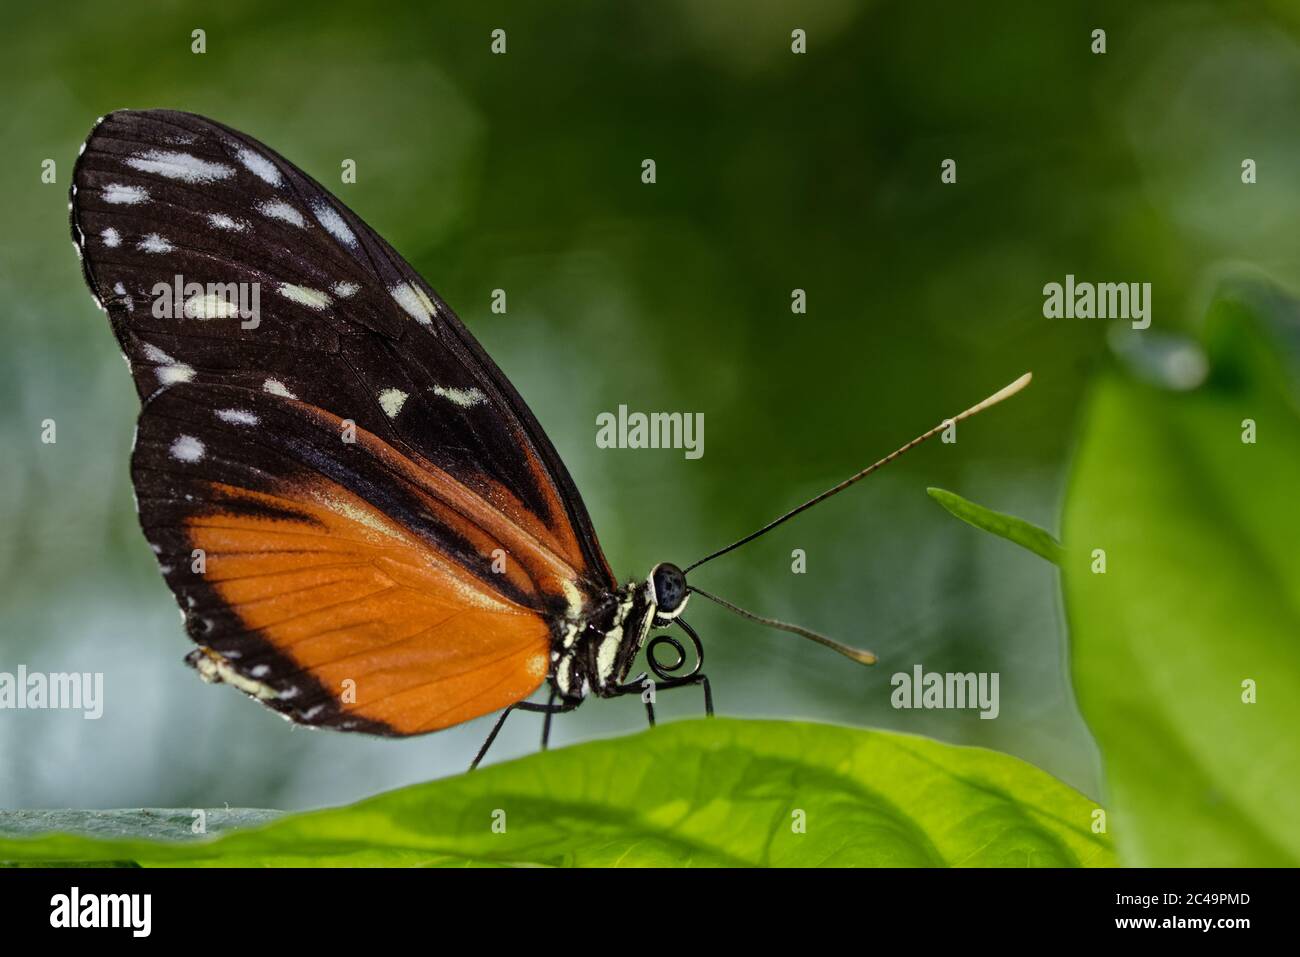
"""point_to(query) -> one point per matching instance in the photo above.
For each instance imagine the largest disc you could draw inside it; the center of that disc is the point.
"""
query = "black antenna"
(992, 400)
(857, 654)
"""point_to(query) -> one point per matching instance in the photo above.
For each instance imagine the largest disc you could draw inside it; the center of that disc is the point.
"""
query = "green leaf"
(1200, 593)
(165, 823)
(154, 823)
(696, 793)
(1025, 534)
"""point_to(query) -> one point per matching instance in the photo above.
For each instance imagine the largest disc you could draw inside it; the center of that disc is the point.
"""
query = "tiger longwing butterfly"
(331, 470)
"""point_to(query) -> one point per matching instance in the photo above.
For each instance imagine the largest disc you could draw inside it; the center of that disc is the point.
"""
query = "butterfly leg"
(708, 692)
(638, 686)
(547, 709)
(546, 722)
(697, 678)
(492, 736)
(686, 683)
(663, 671)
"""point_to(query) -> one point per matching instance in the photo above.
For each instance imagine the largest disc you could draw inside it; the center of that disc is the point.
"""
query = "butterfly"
(363, 523)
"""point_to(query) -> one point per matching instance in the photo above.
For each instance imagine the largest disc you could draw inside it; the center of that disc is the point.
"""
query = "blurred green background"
(775, 171)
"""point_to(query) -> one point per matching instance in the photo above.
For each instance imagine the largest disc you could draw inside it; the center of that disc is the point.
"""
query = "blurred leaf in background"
(1186, 647)
(1024, 534)
(1182, 589)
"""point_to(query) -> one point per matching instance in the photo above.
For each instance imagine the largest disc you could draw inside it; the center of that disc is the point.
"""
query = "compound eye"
(670, 587)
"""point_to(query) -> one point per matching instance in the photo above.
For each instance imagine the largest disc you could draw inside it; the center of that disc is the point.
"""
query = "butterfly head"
(668, 591)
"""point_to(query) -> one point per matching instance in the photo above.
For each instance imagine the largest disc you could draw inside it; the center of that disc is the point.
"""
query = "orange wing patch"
(394, 631)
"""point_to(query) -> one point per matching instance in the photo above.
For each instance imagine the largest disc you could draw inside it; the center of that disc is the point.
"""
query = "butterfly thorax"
(594, 651)
(595, 646)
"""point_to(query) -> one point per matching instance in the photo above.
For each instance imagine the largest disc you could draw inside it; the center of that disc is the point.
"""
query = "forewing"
(341, 322)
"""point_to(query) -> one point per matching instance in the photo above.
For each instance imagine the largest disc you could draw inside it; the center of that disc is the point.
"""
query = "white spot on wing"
(210, 306)
(414, 301)
(125, 195)
(311, 298)
(278, 209)
(465, 398)
(186, 448)
(169, 370)
(170, 375)
(111, 238)
(237, 417)
(345, 290)
(181, 166)
(536, 666)
(222, 221)
(259, 166)
(276, 387)
(391, 400)
(334, 224)
(153, 243)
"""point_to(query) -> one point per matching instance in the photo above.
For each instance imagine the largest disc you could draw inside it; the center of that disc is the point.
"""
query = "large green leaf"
(1201, 592)
(698, 793)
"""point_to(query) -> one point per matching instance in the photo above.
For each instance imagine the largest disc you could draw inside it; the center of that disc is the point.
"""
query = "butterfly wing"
(337, 581)
(384, 438)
